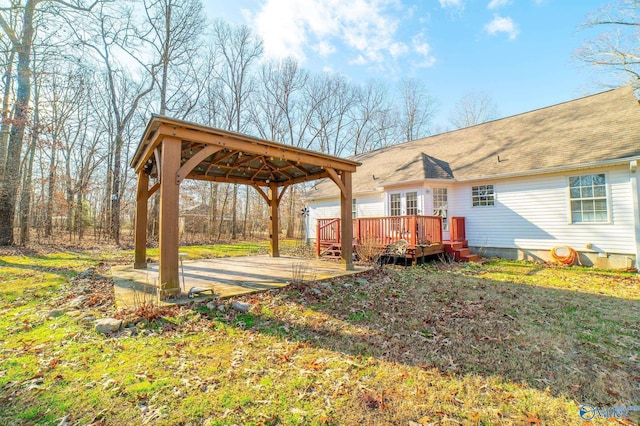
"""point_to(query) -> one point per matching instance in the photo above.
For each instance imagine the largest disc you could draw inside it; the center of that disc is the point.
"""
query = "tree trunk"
(6, 114)
(292, 213)
(115, 191)
(48, 229)
(246, 213)
(224, 204)
(25, 196)
(11, 178)
(234, 212)
(214, 208)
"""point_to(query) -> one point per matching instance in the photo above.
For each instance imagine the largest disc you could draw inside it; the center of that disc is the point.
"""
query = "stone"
(108, 325)
(317, 292)
(77, 302)
(86, 319)
(74, 314)
(222, 308)
(212, 306)
(347, 285)
(55, 313)
(241, 307)
(362, 281)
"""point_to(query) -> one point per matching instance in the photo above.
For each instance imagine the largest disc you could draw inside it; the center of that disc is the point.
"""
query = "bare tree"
(417, 109)
(174, 29)
(616, 50)
(22, 42)
(238, 50)
(114, 31)
(371, 118)
(332, 98)
(473, 108)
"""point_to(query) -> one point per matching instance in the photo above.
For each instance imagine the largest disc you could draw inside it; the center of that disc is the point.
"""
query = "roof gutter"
(604, 163)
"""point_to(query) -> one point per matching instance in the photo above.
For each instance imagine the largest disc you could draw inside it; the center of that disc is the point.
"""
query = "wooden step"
(461, 252)
(470, 258)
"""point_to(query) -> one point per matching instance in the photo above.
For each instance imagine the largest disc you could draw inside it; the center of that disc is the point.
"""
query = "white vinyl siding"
(534, 213)
(366, 206)
(529, 213)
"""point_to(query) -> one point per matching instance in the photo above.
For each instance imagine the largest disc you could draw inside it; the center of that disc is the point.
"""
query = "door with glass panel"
(403, 204)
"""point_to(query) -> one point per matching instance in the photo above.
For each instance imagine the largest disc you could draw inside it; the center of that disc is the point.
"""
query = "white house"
(565, 175)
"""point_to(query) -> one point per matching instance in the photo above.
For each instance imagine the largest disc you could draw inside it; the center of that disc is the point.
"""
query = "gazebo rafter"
(171, 151)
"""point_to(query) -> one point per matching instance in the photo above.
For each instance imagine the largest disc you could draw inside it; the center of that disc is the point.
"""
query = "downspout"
(633, 177)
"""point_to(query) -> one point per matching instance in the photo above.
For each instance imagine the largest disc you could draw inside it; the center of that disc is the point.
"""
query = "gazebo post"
(169, 208)
(346, 217)
(142, 199)
(274, 228)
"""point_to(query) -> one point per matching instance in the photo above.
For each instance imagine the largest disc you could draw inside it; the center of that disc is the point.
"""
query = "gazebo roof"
(218, 155)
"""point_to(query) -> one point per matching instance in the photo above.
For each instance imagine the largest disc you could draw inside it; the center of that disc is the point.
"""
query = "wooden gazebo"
(174, 150)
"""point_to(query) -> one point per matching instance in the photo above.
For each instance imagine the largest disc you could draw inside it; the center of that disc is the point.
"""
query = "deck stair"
(460, 251)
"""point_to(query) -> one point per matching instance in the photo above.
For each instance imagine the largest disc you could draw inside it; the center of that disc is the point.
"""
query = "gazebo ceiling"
(217, 155)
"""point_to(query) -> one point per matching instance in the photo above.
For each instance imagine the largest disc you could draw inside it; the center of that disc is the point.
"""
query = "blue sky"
(520, 52)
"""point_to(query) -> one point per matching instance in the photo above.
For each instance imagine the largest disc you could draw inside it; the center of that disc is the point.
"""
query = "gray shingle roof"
(600, 127)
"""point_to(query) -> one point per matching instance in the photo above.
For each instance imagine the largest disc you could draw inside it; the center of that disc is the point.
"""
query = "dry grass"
(499, 344)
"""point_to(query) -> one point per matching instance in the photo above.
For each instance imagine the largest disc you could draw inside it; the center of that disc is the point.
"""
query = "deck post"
(140, 243)
(169, 208)
(346, 221)
(274, 220)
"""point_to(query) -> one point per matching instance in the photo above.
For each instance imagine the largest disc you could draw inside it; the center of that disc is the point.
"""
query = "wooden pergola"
(174, 150)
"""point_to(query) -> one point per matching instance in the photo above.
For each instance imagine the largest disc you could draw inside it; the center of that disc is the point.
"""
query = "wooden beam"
(194, 161)
(347, 222)
(262, 193)
(246, 181)
(157, 155)
(284, 189)
(258, 148)
(154, 188)
(140, 238)
(274, 228)
(338, 181)
(154, 140)
(169, 208)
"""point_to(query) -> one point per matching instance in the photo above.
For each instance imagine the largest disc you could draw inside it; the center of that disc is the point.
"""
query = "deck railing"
(457, 229)
(383, 231)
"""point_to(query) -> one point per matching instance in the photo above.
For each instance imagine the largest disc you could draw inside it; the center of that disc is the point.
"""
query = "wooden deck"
(422, 233)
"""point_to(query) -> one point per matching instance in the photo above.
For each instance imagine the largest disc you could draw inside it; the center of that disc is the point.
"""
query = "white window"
(483, 195)
(412, 203)
(354, 209)
(395, 205)
(588, 195)
(440, 206)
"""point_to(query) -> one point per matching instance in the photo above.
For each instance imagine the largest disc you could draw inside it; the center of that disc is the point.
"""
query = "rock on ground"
(108, 325)
(241, 307)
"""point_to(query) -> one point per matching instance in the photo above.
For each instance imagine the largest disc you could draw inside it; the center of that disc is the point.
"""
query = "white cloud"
(494, 4)
(423, 57)
(289, 27)
(324, 48)
(502, 25)
(450, 3)
(398, 49)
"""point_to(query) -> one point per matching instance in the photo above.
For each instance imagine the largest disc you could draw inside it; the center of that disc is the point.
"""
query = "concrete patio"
(227, 277)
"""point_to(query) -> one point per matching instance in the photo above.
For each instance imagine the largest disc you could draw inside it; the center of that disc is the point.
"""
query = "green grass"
(436, 344)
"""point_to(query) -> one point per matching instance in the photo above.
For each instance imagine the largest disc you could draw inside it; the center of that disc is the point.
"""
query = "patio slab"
(227, 277)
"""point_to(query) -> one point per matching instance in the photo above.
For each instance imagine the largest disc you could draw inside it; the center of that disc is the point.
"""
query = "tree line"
(82, 77)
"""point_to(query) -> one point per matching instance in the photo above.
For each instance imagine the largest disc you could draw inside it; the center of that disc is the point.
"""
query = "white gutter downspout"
(633, 176)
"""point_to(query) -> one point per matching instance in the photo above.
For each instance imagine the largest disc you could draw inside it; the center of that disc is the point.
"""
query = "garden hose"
(568, 259)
